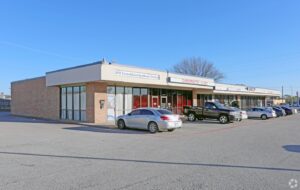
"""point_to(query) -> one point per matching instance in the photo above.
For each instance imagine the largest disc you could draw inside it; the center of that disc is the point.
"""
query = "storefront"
(228, 100)
(121, 100)
(99, 92)
(252, 101)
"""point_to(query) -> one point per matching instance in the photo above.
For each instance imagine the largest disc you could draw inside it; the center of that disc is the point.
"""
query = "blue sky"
(251, 42)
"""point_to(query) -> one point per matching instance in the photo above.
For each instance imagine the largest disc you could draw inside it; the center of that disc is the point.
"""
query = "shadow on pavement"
(208, 121)
(100, 129)
(292, 148)
(153, 162)
(8, 117)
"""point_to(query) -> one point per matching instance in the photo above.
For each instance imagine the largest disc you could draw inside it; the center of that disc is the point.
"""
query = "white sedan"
(262, 113)
(242, 112)
(152, 119)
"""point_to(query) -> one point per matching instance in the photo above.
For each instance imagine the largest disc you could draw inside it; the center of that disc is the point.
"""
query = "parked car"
(297, 107)
(242, 113)
(212, 110)
(152, 119)
(294, 110)
(287, 110)
(279, 111)
(262, 113)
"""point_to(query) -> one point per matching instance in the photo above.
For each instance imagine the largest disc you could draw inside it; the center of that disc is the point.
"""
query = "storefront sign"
(230, 88)
(251, 89)
(189, 81)
(265, 91)
(137, 75)
(235, 89)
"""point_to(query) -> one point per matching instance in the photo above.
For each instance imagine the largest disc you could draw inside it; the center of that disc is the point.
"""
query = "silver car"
(262, 113)
(243, 114)
(152, 119)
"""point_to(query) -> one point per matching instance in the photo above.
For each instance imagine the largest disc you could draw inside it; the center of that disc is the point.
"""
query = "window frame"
(70, 89)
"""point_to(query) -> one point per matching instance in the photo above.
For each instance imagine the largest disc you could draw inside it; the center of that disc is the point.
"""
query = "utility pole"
(297, 98)
(292, 95)
(282, 94)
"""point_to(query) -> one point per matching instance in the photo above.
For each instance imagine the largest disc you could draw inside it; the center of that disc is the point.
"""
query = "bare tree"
(198, 67)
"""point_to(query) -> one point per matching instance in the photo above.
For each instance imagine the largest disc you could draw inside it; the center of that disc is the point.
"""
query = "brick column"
(94, 93)
(194, 98)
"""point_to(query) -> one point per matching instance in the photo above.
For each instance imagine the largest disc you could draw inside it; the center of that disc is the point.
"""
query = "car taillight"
(165, 118)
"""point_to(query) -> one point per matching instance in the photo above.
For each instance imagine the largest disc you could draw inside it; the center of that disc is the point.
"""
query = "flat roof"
(137, 67)
(34, 78)
(124, 65)
(75, 67)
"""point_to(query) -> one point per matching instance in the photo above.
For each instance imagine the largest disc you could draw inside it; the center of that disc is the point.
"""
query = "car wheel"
(152, 127)
(121, 124)
(191, 117)
(223, 119)
(264, 117)
(170, 130)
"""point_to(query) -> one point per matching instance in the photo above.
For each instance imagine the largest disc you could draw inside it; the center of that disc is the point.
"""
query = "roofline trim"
(167, 71)
(23, 80)
(75, 67)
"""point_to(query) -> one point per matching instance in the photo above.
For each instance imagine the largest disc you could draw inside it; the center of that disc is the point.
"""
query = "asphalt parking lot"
(252, 154)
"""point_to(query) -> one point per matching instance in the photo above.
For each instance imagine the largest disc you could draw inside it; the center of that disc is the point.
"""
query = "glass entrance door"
(164, 102)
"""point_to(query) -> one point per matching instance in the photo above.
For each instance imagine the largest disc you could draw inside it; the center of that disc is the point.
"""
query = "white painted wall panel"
(74, 75)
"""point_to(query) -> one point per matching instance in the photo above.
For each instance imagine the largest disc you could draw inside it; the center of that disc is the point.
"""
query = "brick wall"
(32, 98)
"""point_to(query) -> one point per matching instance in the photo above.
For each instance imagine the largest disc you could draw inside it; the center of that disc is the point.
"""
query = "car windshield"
(164, 112)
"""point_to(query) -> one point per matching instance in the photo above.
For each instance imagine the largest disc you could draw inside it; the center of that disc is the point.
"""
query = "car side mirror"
(129, 114)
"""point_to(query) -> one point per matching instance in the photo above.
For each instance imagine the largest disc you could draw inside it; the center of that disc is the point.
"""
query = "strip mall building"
(99, 92)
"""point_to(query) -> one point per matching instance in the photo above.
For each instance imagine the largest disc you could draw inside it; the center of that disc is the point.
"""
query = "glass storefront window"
(169, 100)
(144, 97)
(202, 98)
(179, 102)
(69, 103)
(111, 90)
(63, 102)
(174, 101)
(136, 98)
(252, 101)
(76, 104)
(136, 91)
(189, 98)
(128, 99)
(73, 103)
(111, 103)
(121, 100)
(163, 92)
